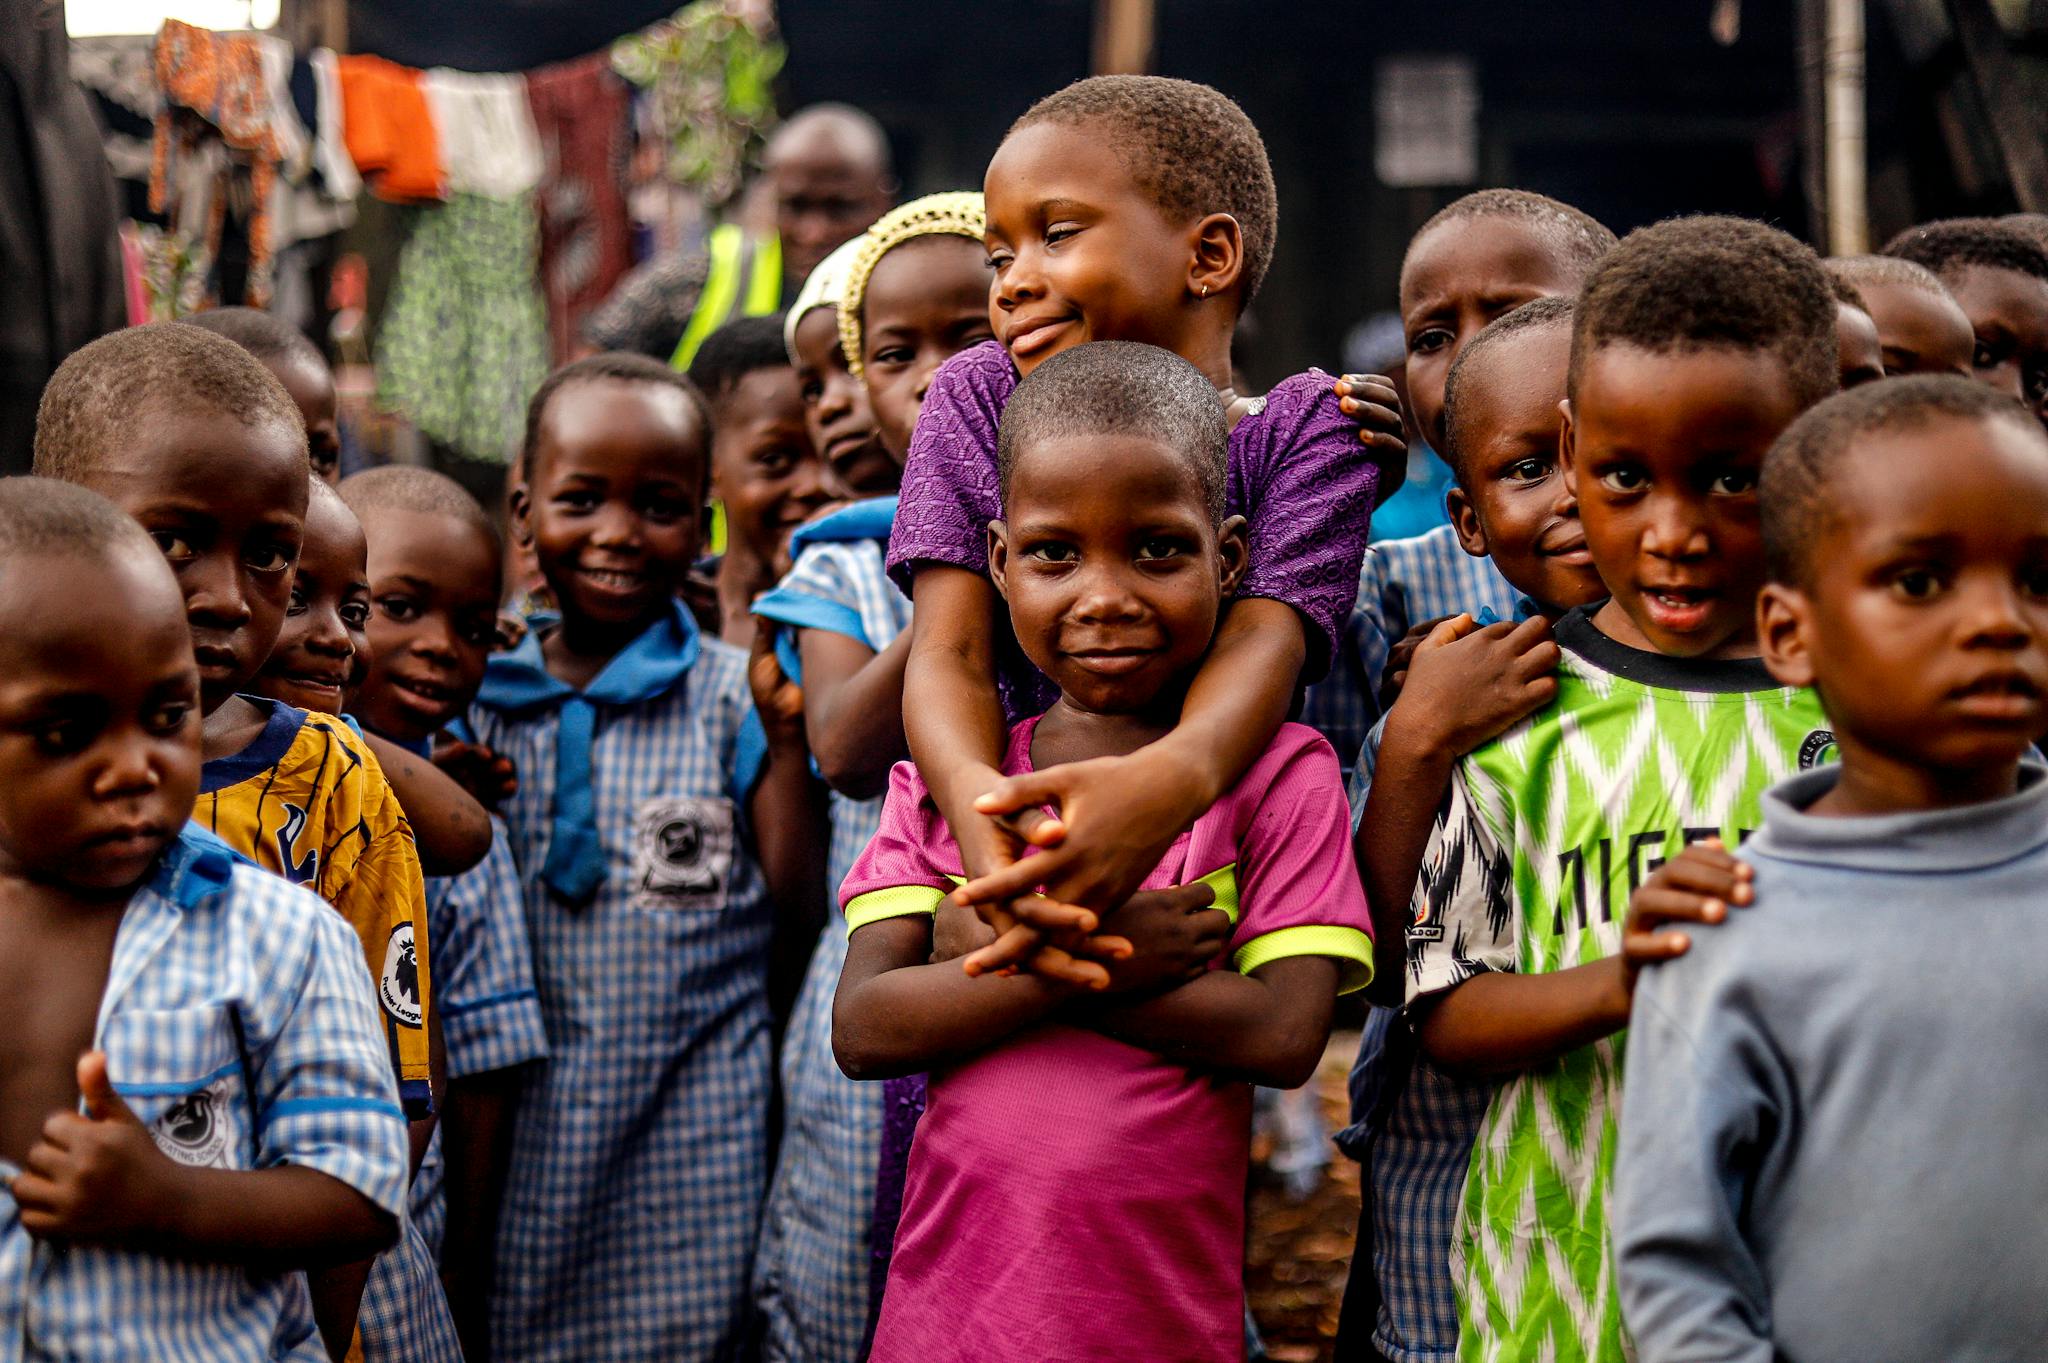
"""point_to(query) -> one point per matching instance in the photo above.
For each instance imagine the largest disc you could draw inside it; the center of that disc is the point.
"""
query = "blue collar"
(195, 867)
(280, 728)
(871, 519)
(519, 682)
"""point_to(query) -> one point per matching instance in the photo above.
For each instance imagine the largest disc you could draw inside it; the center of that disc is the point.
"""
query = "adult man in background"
(828, 175)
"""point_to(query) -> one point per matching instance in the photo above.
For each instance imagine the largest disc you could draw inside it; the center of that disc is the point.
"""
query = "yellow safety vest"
(722, 299)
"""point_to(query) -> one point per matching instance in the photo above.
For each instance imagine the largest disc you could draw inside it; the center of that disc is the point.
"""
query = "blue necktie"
(519, 685)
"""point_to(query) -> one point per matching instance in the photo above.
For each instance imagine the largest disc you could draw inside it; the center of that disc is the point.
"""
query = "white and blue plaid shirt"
(1401, 584)
(811, 1277)
(239, 1025)
(490, 1020)
(1412, 1127)
(640, 1157)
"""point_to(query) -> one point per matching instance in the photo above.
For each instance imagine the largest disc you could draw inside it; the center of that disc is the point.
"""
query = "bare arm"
(1268, 1027)
(853, 709)
(952, 714)
(894, 1014)
(452, 831)
(1502, 1023)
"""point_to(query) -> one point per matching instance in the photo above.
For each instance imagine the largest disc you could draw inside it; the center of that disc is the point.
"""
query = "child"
(201, 445)
(836, 410)
(165, 993)
(1999, 277)
(1920, 330)
(1116, 556)
(433, 571)
(916, 285)
(644, 819)
(1413, 1124)
(1477, 260)
(1859, 356)
(1135, 208)
(1694, 344)
(764, 470)
(298, 364)
(320, 658)
(1831, 1133)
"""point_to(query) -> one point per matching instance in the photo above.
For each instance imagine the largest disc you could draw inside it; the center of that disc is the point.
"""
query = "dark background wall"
(1631, 110)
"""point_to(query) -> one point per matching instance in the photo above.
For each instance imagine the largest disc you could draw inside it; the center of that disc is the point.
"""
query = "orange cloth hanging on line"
(220, 79)
(389, 132)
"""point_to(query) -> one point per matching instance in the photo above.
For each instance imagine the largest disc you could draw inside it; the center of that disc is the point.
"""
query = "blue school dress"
(639, 1157)
(811, 1276)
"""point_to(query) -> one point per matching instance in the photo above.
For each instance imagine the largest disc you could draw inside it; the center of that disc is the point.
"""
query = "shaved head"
(831, 175)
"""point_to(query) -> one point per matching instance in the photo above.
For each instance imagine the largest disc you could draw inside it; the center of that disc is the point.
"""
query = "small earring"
(1205, 291)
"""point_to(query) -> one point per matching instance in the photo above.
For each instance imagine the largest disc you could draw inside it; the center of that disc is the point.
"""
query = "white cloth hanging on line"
(488, 142)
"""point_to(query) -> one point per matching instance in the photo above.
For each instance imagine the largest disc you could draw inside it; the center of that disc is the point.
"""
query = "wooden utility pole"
(1847, 169)
(1123, 37)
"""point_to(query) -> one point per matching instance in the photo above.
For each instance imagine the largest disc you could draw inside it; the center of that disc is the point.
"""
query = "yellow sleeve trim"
(898, 901)
(1351, 948)
(1224, 883)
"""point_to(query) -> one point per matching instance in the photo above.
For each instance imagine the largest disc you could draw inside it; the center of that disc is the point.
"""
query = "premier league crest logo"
(399, 987)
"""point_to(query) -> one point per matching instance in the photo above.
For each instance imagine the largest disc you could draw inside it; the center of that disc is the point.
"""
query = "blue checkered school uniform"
(811, 1275)
(1401, 584)
(1412, 1127)
(490, 1020)
(639, 1158)
(240, 1027)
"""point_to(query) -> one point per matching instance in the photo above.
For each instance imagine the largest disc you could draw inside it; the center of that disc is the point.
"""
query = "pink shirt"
(1071, 1197)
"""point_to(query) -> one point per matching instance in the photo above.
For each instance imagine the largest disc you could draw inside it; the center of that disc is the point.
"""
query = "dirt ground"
(1300, 1252)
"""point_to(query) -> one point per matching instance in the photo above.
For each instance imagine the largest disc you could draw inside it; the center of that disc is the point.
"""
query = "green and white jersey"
(1544, 835)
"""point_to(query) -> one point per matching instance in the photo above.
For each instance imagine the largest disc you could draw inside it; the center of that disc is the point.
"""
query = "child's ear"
(1783, 624)
(1567, 446)
(999, 556)
(521, 503)
(1218, 259)
(1233, 552)
(1465, 522)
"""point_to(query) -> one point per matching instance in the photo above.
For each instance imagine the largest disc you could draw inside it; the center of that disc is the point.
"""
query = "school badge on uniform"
(193, 1130)
(682, 852)
(399, 987)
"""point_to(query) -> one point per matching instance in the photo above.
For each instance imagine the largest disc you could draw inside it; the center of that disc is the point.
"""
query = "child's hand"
(510, 632)
(484, 773)
(1173, 933)
(98, 1178)
(1394, 675)
(779, 700)
(1467, 685)
(958, 931)
(1372, 401)
(1696, 886)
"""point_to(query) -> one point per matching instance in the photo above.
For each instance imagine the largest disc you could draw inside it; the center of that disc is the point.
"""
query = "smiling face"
(1459, 276)
(763, 467)
(433, 620)
(2008, 314)
(1918, 332)
(99, 718)
(836, 412)
(1081, 252)
(227, 505)
(614, 503)
(927, 300)
(322, 652)
(1663, 449)
(1924, 622)
(1113, 569)
(1511, 502)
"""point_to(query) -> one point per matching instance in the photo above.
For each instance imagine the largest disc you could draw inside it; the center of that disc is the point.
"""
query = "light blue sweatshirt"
(1835, 1117)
